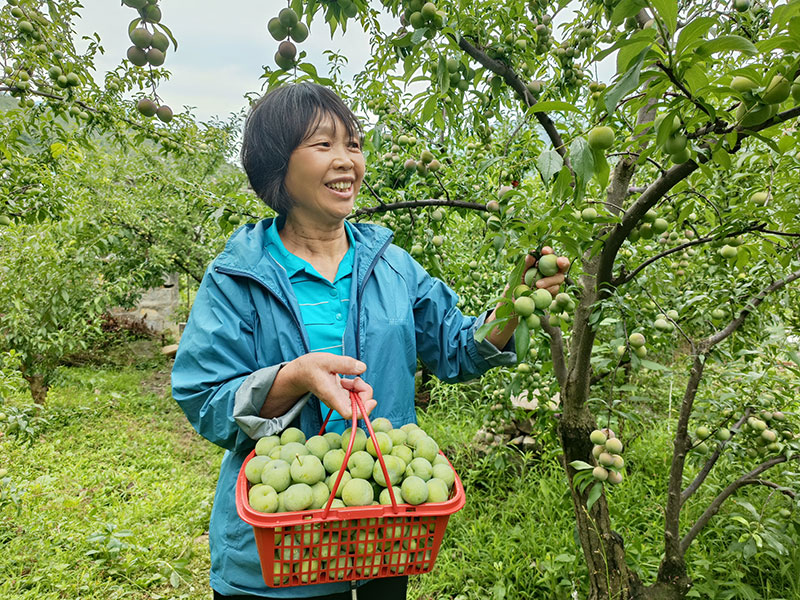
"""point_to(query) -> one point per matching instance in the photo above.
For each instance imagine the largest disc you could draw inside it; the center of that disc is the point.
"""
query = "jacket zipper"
(266, 287)
(294, 317)
(361, 292)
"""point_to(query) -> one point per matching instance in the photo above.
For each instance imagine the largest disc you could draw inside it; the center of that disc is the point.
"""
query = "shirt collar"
(294, 264)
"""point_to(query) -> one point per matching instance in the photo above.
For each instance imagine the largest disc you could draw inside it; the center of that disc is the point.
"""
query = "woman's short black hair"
(277, 124)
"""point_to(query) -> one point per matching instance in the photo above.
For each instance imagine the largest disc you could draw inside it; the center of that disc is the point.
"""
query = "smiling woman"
(297, 307)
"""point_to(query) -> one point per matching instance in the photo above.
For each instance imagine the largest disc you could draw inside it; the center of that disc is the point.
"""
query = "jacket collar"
(245, 252)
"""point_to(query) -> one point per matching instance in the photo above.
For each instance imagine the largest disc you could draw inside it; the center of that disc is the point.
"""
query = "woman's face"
(325, 173)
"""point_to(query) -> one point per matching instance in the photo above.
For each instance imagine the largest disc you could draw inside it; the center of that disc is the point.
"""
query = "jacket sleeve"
(446, 338)
(216, 379)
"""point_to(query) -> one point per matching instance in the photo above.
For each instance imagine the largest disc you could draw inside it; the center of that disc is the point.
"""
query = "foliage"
(670, 184)
(131, 528)
(513, 539)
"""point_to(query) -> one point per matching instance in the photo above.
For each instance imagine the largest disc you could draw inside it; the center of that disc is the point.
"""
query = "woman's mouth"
(340, 186)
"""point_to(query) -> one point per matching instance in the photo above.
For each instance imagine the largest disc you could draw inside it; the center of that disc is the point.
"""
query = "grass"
(116, 492)
(108, 495)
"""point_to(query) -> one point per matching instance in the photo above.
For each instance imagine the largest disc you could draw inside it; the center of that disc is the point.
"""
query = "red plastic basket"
(345, 544)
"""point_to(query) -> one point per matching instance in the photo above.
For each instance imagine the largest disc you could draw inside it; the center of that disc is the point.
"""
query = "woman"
(293, 303)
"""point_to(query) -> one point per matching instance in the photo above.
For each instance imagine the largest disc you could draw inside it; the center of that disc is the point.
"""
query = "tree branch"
(677, 83)
(672, 541)
(657, 190)
(417, 204)
(701, 476)
(781, 233)
(557, 350)
(514, 81)
(715, 505)
(622, 279)
(752, 304)
(771, 484)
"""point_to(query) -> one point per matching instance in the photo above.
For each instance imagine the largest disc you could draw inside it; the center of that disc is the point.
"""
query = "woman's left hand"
(553, 283)
(364, 391)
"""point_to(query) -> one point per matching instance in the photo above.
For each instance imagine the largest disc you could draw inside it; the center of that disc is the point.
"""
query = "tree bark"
(609, 574)
(38, 388)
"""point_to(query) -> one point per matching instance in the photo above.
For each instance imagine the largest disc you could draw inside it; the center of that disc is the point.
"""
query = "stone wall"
(157, 307)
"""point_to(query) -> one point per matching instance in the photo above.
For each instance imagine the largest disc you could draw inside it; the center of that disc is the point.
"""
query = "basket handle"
(358, 405)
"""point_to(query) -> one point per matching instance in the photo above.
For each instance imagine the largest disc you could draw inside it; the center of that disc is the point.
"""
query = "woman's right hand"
(319, 373)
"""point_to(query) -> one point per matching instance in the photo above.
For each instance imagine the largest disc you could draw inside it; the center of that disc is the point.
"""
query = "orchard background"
(652, 142)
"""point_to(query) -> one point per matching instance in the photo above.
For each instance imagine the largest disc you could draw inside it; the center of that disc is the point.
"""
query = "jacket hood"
(245, 250)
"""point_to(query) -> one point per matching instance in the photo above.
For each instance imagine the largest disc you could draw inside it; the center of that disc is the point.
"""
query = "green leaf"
(781, 15)
(668, 11)
(794, 356)
(419, 36)
(169, 34)
(628, 83)
(582, 159)
(515, 277)
(693, 33)
(601, 168)
(133, 24)
(443, 75)
(403, 41)
(57, 149)
(727, 43)
(653, 366)
(562, 188)
(625, 9)
(549, 164)
(628, 53)
(783, 42)
(580, 465)
(522, 340)
(488, 163)
(722, 158)
(429, 107)
(594, 495)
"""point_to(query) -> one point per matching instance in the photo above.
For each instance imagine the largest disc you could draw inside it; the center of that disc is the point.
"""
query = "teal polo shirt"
(323, 305)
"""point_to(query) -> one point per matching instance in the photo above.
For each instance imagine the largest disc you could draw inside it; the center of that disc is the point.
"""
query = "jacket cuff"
(489, 352)
(249, 401)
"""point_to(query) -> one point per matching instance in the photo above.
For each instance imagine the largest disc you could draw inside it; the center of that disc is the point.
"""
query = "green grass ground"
(108, 496)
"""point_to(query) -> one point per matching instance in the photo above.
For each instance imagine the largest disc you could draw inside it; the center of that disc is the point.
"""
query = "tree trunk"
(609, 575)
(665, 591)
(38, 388)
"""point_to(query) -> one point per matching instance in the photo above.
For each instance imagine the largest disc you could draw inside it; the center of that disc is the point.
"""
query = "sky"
(222, 48)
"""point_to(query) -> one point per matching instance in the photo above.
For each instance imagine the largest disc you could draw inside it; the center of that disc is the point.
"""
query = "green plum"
(358, 492)
(414, 490)
(318, 446)
(360, 442)
(263, 498)
(292, 434)
(307, 469)
(384, 444)
(360, 464)
(394, 465)
(437, 490)
(298, 497)
(277, 473)
(333, 460)
(265, 445)
(254, 467)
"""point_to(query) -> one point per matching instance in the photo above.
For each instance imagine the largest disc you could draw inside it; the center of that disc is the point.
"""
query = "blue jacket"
(245, 323)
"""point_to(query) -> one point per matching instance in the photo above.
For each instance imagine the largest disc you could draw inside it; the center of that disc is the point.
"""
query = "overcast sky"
(222, 48)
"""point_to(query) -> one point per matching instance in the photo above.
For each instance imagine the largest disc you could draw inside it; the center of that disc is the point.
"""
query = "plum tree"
(692, 189)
